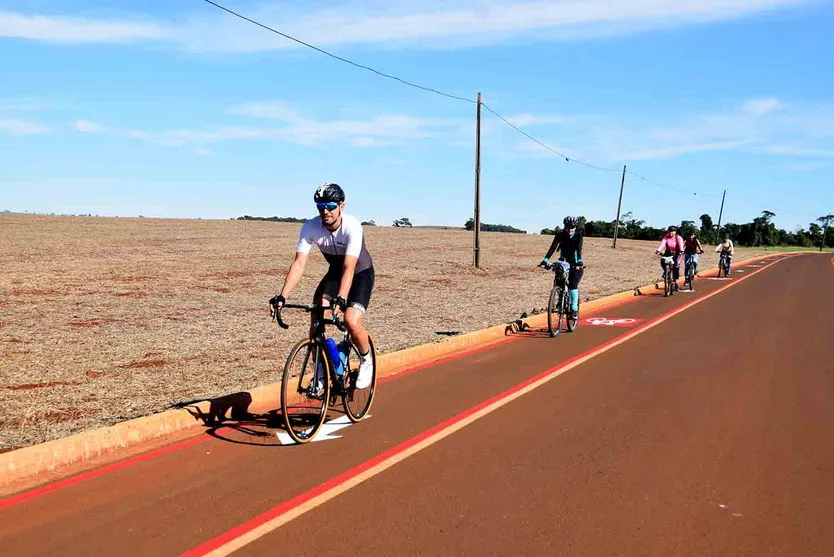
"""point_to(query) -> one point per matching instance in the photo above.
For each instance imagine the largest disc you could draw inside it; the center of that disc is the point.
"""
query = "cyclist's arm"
(554, 245)
(579, 242)
(302, 250)
(732, 248)
(661, 248)
(353, 250)
(347, 276)
(295, 273)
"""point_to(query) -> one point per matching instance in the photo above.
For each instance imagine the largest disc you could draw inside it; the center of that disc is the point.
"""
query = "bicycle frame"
(317, 331)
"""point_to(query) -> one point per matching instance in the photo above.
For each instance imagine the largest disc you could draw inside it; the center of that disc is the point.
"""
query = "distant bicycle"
(558, 305)
(724, 264)
(310, 383)
(691, 263)
(668, 262)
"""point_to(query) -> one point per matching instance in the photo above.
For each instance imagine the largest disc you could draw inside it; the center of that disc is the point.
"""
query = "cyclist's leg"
(358, 300)
(676, 270)
(327, 289)
(574, 278)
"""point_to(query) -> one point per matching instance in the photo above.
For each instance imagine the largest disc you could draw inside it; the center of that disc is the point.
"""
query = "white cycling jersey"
(348, 239)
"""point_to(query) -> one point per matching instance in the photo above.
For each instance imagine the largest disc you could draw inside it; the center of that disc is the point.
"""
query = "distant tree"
(707, 234)
(402, 223)
(826, 222)
(470, 225)
(368, 223)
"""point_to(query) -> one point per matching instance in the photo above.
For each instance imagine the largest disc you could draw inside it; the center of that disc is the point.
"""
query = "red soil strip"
(35, 292)
(29, 386)
(94, 322)
(145, 364)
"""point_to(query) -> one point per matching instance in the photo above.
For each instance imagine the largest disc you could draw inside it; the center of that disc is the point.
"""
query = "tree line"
(757, 233)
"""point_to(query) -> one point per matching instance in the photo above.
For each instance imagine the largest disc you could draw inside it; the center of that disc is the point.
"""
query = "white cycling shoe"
(366, 372)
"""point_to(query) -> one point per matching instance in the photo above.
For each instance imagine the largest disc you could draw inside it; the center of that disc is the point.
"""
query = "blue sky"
(176, 109)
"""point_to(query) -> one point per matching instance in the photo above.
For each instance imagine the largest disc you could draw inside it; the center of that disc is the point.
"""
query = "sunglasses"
(329, 206)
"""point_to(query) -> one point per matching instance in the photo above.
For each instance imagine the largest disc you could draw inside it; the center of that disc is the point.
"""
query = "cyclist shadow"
(230, 419)
(519, 328)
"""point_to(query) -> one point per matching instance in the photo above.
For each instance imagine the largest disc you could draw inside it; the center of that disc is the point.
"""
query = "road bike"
(310, 382)
(558, 305)
(724, 263)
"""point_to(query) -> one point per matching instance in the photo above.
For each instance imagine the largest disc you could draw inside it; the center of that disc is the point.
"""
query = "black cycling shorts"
(360, 289)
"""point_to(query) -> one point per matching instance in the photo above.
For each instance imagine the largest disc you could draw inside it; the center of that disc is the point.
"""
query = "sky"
(179, 109)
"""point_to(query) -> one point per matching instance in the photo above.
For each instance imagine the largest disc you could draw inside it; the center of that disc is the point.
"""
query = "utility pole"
(476, 225)
(720, 213)
(619, 205)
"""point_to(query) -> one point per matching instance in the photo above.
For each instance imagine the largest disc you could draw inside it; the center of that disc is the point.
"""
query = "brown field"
(106, 319)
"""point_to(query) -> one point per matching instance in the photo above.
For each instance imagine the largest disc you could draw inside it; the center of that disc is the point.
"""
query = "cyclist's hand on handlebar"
(543, 264)
(338, 303)
(275, 303)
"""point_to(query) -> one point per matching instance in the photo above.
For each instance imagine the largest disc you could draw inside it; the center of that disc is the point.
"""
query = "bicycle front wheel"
(305, 390)
(357, 402)
(667, 282)
(572, 322)
(555, 311)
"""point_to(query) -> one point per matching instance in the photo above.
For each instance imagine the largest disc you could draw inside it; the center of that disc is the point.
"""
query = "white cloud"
(431, 24)
(77, 30)
(16, 126)
(761, 126)
(759, 107)
(379, 131)
(676, 150)
(85, 126)
(803, 166)
(526, 119)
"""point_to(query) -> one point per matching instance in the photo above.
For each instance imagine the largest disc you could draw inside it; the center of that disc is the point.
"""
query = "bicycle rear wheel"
(357, 402)
(303, 403)
(555, 310)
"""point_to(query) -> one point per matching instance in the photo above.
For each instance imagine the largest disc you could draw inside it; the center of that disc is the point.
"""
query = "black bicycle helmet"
(672, 228)
(327, 192)
(569, 222)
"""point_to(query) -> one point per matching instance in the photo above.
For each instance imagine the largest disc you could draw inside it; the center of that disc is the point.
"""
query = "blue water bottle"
(333, 354)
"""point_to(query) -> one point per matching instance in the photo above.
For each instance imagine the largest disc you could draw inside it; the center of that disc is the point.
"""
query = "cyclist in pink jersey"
(671, 245)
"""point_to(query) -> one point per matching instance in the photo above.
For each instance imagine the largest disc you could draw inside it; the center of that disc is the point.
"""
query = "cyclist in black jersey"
(569, 243)
(349, 280)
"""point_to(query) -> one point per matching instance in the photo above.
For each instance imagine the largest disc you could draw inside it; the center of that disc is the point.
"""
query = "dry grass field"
(106, 319)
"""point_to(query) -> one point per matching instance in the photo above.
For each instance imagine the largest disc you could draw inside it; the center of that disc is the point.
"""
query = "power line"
(345, 60)
(567, 158)
(548, 147)
(668, 187)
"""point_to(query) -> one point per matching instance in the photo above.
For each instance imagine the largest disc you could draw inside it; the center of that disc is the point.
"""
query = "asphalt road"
(702, 426)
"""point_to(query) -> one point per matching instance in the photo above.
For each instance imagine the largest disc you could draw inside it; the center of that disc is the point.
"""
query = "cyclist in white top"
(726, 247)
(349, 281)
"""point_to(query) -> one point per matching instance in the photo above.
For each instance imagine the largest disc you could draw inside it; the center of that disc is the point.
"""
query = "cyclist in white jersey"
(349, 281)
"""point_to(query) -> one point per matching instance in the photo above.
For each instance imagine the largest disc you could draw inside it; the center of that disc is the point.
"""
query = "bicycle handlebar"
(333, 320)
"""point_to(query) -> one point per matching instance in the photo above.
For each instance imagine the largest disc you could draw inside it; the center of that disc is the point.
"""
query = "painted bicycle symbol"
(612, 321)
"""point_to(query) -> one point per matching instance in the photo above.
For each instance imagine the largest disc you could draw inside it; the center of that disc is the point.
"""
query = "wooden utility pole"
(476, 225)
(619, 205)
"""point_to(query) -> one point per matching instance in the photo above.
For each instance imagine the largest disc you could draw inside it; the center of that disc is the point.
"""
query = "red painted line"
(342, 478)
(29, 495)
